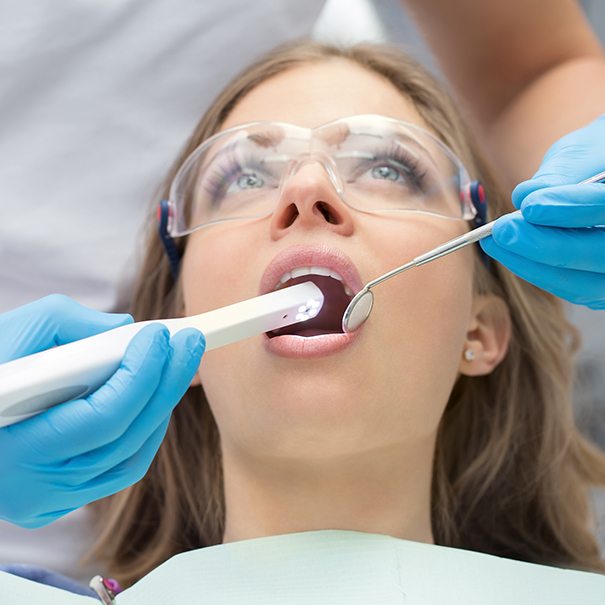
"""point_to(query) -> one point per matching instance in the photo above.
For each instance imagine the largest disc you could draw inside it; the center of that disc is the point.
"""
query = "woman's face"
(316, 398)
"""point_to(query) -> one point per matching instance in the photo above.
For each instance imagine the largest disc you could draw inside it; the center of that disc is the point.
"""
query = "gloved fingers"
(188, 346)
(51, 321)
(117, 478)
(106, 414)
(75, 427)
(566, 206)
(581, 249)
(566, 170)
(86, 467)
(131, 470)
(74, 321)
(579, 287)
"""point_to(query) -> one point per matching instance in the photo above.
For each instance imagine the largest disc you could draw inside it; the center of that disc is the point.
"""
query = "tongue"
(329, 319)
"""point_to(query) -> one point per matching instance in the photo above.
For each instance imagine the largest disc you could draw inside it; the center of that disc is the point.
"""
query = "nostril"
(288, 216)
(327, 212)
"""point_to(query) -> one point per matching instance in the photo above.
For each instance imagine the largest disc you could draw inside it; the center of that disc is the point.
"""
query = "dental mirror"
(358, 310)
(360, 307)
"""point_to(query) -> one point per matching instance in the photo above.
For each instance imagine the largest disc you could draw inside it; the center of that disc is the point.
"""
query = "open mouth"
(337, 296)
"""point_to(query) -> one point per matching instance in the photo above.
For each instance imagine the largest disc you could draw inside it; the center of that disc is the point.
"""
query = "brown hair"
(511, 471)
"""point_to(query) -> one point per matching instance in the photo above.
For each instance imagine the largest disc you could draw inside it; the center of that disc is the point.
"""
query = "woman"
(446, 418)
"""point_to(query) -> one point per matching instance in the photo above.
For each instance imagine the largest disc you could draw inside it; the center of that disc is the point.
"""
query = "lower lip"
(300, 347)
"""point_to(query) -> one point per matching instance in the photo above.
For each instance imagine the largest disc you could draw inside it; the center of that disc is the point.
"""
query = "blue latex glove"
(82, 450)
(559, 242)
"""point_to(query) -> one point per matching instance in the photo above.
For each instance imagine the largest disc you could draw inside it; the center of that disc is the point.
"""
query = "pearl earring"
(469, 355)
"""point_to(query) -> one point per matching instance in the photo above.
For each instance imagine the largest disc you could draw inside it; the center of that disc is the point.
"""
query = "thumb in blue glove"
(559, 242)
(86, 449)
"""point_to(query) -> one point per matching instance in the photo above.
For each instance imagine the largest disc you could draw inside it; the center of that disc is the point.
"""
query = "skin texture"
(528, 71)
(345, 441)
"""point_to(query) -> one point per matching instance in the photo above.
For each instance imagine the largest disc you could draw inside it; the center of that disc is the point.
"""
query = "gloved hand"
(559, 242)
(82, 450)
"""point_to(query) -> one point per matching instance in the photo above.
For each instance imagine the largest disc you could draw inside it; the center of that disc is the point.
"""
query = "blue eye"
(250, 180)
(385, 172)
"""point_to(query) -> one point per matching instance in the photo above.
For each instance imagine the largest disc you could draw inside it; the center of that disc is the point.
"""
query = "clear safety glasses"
(375, 164)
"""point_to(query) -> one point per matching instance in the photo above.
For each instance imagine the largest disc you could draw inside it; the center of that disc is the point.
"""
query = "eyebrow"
(271, 137)
(333, 134)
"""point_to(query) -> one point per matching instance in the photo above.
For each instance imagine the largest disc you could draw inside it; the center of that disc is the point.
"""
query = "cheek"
(431, 292)
(421, 317)
(218, 270)
(213, 270)
(430, 306)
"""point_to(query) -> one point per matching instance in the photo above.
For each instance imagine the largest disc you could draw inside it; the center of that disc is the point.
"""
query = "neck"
(384, 492)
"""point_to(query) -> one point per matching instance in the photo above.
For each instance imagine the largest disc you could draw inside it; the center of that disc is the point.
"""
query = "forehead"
(313, 94)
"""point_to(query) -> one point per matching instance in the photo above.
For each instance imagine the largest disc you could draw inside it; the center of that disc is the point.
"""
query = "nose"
(309, 200)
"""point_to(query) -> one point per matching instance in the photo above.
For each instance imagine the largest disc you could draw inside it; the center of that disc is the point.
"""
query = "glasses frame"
(175, 225)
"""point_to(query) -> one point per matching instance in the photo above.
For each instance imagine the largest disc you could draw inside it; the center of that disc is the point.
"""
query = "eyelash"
(221, 177)
(395, 156)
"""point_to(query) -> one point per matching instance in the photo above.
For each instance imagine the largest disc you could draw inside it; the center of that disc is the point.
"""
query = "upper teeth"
(302, 271)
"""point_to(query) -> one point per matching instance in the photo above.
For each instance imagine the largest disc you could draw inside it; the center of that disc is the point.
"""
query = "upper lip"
(310, 256)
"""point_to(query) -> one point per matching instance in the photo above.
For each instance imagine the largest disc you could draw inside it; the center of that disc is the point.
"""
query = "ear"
(487, 336)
